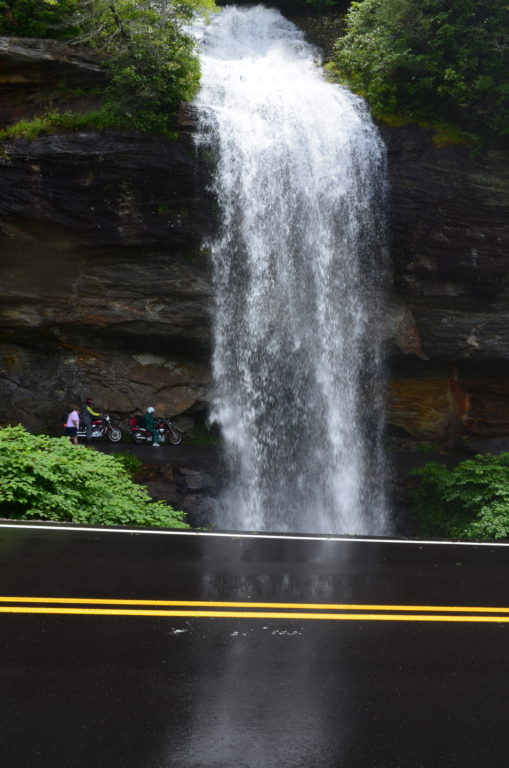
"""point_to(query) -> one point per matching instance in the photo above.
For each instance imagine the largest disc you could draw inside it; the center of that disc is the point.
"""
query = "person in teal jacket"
(151, 426)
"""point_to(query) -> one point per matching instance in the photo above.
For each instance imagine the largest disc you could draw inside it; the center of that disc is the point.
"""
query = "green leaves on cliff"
(436, 60)
(470, 501)
(38, 18)
(151, 56)
(145, 44)
(47, 478)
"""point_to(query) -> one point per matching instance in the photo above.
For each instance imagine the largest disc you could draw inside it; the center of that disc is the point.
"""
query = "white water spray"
(299, 271)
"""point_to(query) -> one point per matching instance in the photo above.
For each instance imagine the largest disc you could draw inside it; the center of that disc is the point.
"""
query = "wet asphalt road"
(196, 456)
(283, 688)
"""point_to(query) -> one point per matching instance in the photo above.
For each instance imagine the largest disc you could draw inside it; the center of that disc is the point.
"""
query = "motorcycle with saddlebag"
(102, 426)
(166, 430)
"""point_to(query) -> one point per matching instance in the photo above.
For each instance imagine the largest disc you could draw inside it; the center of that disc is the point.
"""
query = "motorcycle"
(101, 427)
(166, 430)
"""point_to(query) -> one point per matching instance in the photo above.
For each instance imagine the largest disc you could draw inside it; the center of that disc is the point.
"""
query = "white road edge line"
(240, 535)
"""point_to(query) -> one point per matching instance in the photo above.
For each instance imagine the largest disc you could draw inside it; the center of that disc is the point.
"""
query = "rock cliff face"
(36, 73)
(105, 292)
(104, 287)
(450, 254)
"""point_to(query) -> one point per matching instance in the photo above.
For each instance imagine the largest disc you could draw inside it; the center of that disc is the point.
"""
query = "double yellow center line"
(250, 610)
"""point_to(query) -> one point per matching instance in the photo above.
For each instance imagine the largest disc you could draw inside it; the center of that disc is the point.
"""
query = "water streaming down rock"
(299, 272)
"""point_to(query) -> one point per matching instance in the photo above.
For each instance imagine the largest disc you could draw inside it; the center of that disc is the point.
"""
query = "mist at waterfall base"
(299, 268)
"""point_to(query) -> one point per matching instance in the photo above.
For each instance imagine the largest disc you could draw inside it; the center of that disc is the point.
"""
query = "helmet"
(89, 401)
(150, 409)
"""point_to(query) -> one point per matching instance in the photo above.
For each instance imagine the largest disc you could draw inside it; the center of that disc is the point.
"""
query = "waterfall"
(299, 272)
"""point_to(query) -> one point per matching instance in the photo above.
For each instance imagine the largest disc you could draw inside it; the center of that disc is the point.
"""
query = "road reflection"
(263, 696)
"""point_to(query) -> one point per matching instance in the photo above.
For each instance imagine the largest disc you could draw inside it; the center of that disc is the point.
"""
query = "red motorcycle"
(166, 430)
(102, 427)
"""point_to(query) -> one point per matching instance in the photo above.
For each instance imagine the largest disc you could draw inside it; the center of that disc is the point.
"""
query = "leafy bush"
(47, 478)
(37, 18)
(437, 60)
(469, 501)
(150, 84)
(152, 58)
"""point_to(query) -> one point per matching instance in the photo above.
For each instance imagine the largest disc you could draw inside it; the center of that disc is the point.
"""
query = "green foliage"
(425, 448)
(47, 478)
(38, 18)
(104, 118)
(129, 462)
(323, 5)
(153, 60)
(202, 435)
(469, 501)
(437, 60)
(151, 57)
(152, 77)
(445, 135)
(54, 121)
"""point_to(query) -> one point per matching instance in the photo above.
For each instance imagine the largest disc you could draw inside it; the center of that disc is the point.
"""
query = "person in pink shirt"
(72, 425)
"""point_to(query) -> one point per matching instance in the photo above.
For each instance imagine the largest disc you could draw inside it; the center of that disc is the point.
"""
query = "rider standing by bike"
(151, 426)
(86, 417)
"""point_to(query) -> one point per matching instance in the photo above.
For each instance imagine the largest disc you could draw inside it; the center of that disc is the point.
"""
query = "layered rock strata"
(105, 289)
(36, 75)
(450, 256)
(104, 283)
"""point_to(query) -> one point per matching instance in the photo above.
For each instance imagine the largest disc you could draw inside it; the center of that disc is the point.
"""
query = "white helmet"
(150, 409)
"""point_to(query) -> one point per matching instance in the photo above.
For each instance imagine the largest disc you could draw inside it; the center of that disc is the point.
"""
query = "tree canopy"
(431, 59)
(145, 44)
(38, 18)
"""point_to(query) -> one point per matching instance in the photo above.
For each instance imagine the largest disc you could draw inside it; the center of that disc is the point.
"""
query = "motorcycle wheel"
(114, 435)
(137, 438)
(175, 437)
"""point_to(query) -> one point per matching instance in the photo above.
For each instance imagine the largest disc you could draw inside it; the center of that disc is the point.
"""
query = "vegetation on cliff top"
(434, 60)
(144, 43)
(470, 501)
(47, 478)
(38, 18)
(444, 62)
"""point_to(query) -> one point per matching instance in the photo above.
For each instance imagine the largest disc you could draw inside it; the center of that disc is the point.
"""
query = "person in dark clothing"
(86, 417)
(151, 426)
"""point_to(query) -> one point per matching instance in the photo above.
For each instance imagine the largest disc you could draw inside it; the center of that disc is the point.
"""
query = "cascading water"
(299, 273)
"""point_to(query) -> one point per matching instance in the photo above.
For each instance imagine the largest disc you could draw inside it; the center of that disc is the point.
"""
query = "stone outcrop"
(26, 60)
(450, 256)
(193, 489)
(102, 190)
(38, 74)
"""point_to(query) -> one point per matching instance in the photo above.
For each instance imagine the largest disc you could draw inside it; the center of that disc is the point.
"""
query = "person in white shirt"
(72, 424)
